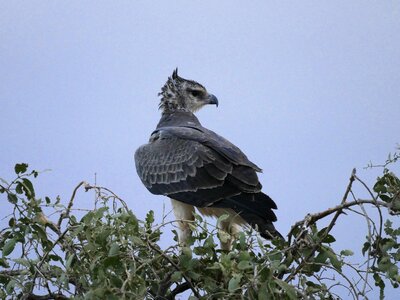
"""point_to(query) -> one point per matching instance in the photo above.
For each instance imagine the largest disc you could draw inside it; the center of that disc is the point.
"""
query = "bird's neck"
(178, 118)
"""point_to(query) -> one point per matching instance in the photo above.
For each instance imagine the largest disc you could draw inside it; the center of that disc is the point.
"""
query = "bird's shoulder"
(194, 137)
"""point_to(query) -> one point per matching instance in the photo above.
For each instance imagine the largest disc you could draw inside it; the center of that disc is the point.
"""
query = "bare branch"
(332, 223)
(71, 201)
(99, 188)
(312, 218)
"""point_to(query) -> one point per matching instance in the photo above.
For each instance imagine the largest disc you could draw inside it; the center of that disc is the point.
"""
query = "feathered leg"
(183, 213)
(229, 230)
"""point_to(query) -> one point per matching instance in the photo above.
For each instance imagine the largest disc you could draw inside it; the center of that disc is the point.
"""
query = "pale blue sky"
(308, 89)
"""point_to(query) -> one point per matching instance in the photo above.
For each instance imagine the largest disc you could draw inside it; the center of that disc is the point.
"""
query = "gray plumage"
(194, 165)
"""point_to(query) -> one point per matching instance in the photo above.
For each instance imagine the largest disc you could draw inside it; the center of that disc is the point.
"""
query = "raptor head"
(179, 94)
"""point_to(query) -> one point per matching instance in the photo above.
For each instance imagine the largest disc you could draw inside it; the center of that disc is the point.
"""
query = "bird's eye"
(195, 93)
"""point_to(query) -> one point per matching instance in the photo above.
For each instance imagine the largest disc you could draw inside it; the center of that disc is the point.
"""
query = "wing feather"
(194, 166)
(172, 164)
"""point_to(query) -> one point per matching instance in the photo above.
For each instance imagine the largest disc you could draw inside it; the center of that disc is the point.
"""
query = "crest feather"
(175, 74)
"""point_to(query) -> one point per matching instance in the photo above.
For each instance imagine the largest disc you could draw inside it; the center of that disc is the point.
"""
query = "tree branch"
(175, 266)
(99, 188)
(27, 272)
(71, 202)
(313, 218)
(337, 211)
(37, 268)
(32, 296)
(179, 289)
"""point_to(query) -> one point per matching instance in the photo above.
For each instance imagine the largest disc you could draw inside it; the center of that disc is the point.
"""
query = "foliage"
(109, 254)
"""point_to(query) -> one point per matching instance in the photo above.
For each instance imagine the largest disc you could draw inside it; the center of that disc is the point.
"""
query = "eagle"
(197, 168)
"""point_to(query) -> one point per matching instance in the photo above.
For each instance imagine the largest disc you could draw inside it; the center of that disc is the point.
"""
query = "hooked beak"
(212, 99)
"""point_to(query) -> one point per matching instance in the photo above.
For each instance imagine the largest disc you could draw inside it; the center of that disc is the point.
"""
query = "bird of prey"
(197, 168)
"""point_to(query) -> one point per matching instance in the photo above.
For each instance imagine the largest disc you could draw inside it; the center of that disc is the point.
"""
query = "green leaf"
(313, 287)
(215, 266)
(346, 253)
(288, 289)
(69, 261)
(380, 188)
(22, 261)
(149, 220)
(393, 271)
(114, 250)
(222, 218)
(366, 247)
(136, 240)
(20, 168)
(111, 261)
(25, 186)
(150, 217)
(9, 247)
(99, 213)
(4, 263)
(12, 198)
(223, 236)
(385, 198)
(263, 293)
(209, 243)
(378, 281)
(194, 275)
(176, 276)
(336, 263)
(40, 231)
(384, 263)
(244, 265)
(234, 282)
(11, 222)
(329, 239)
(198, 218)
(18, 188)
(55, 257)
(10, 286)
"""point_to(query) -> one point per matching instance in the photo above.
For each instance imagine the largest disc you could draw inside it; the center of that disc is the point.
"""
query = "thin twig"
(377, 206)
(45, 256)
(312, 218)
(99, 188)
(368, 220)
(71, 202)
(315, 247)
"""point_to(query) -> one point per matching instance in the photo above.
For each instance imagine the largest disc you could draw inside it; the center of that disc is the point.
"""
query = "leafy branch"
(108, 252)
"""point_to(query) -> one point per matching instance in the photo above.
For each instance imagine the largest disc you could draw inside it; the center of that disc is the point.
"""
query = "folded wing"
(198, 167)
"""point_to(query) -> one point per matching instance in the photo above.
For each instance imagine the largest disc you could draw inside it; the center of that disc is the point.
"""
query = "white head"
(179, 94)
